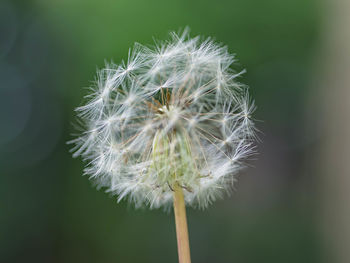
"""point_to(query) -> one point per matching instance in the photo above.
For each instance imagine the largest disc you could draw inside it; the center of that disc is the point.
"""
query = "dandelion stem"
(183, 245)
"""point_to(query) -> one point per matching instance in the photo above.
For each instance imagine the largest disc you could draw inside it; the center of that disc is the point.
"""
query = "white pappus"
(174, 114)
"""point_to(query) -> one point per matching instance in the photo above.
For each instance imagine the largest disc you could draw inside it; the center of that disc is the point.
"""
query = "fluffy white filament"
(170, 115)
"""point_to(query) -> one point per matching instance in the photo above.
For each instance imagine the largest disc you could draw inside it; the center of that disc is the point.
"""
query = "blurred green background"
(49, 212)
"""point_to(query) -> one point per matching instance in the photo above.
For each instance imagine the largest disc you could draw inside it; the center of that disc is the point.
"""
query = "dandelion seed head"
(175, 114)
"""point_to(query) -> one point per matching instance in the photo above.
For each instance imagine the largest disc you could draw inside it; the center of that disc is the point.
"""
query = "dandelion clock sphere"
(170, 126)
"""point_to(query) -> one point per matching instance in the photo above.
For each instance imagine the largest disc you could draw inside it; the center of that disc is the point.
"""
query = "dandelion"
(171, 126)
